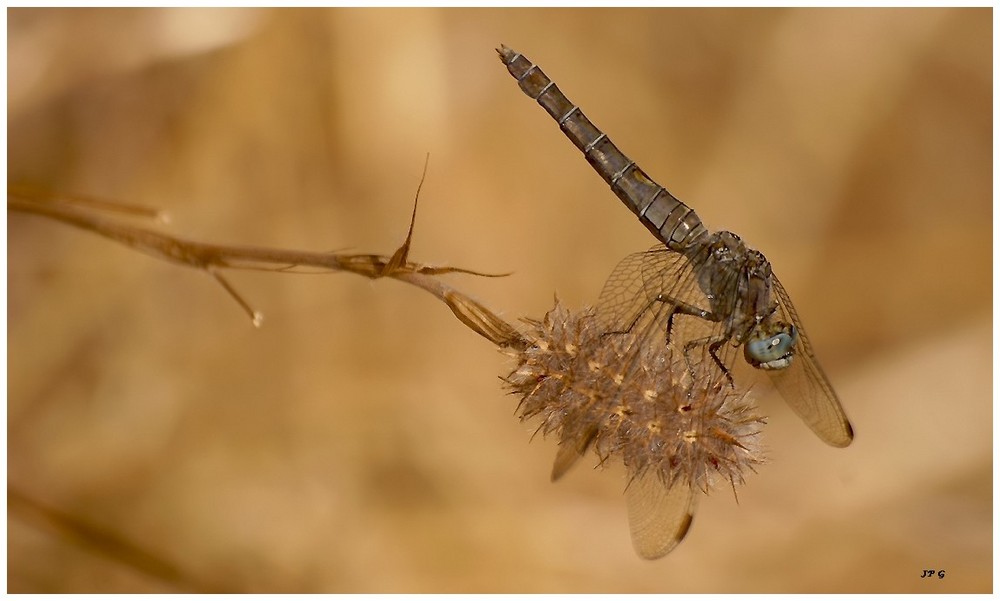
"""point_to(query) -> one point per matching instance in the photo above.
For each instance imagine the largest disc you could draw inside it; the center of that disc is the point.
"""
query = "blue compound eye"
(773, 351)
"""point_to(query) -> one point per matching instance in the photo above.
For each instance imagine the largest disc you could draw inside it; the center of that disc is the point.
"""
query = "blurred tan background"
(360, 441)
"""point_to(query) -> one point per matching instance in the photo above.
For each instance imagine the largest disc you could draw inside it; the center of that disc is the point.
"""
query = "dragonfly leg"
(682, 308)
(714, 343)
(712, 350)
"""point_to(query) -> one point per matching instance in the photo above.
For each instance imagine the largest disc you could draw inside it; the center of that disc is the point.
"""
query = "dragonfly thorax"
(736, 280)
(718, 263)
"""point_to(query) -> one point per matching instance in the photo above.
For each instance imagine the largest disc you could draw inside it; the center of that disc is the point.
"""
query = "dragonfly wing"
(646, 288)
(638, 280)
(569, 452)
(656, 293)
(806, 388)
(659, 517)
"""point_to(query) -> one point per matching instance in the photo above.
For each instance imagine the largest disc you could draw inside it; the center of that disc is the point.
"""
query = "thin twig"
(102, 541)
(215, 257)
(255, 316)
(38, 194)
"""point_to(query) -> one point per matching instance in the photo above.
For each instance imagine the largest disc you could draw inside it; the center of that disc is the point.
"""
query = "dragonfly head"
(771, 347)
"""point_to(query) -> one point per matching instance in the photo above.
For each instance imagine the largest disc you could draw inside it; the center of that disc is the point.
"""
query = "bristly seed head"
(634, 401)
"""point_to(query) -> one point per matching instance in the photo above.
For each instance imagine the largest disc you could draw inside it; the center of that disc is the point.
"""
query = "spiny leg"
(712, 350)
(713, 343)
(675, 307)
(683, 308)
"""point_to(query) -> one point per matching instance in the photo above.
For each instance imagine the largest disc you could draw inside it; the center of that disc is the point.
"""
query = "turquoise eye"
(774, 351)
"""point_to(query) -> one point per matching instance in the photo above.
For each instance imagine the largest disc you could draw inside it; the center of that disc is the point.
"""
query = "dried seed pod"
(609, 392)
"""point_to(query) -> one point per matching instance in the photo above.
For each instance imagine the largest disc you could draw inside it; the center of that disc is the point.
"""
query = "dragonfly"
(708, 294)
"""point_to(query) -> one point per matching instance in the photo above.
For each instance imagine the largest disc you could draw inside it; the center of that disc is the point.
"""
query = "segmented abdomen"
(669, 219)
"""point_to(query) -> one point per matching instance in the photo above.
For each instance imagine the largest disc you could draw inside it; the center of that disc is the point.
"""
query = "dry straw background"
(360, 441)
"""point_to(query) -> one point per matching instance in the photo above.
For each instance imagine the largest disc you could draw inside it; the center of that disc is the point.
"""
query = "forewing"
(638, 279)
(659, 517)
(805, 387)
(640, 287)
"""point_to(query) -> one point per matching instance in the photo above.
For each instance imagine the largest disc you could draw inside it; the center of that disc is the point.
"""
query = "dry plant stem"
(42, 195)
(100, 541)
(214, 257)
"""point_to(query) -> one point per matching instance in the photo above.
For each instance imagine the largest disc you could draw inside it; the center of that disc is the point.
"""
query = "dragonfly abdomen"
(670, 220)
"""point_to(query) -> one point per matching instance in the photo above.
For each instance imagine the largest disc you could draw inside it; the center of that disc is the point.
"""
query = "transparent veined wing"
(642, 277)
(656, 294)
(657, 290)
(659, 517)
(569, 452)
(805, 387)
